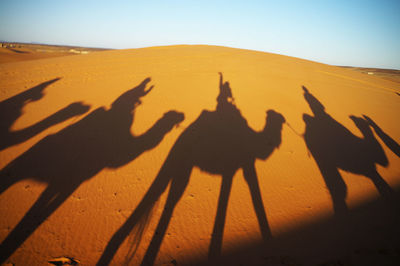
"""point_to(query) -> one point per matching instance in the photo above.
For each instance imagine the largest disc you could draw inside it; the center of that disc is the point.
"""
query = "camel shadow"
(334, 147)
(11, 110)
(219, 142)
(75, 154)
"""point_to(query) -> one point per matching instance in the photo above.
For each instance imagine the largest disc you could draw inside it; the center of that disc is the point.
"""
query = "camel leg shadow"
(250, 176)
(178, 187)
(48, 202)
(219, 224)
(141, 212)
(336, 186)
(381, 185)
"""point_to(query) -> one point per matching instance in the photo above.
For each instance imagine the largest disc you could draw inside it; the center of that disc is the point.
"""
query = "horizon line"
(183, 44)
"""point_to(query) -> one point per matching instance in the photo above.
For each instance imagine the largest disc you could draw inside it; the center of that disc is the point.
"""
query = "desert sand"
(15, 52)
(192, 155)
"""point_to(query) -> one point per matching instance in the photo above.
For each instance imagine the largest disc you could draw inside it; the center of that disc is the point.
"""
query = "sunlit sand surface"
(150, 155)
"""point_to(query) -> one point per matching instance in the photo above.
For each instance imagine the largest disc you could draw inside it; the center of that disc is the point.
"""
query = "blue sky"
(339, 32)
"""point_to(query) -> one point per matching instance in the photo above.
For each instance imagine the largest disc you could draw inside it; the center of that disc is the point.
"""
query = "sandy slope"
(87, 190)
(16, 55)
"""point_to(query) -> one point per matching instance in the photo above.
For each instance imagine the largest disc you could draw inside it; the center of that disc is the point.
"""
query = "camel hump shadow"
(222, 142)
(66, 159)
(334, 147)
(218, 142)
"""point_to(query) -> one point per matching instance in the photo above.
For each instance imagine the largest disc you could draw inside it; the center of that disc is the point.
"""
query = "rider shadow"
(11, 110)
(334, 147)
(219, 142)
(75, 154)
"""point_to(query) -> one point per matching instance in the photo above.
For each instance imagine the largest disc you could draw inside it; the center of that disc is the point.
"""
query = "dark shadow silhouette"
(75, 154)
(18, 51)
(11, 109)
(390, 143)
(219, 142)
(368, 236)
(334, 147)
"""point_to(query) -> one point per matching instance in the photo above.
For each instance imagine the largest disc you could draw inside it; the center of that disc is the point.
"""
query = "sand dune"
(150, 155)
(15, 52)
(16, 55)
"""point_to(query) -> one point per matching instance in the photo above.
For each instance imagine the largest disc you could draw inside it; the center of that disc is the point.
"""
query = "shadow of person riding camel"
(219, 142)
(11, 110)
(66, 159)
(334, 147)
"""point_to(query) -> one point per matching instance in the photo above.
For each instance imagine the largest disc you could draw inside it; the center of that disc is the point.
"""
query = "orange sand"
(24, 54)
(94, 180)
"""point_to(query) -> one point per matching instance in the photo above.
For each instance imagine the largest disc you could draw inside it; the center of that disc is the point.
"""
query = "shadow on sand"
(219, 142)
(18, 51)
(66, 159)
(11, 110)
(334, 147)
(390, 143)
(368, 236)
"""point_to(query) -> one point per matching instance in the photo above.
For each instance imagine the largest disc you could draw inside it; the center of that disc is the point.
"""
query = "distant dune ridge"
(197, 155)
(14, 52)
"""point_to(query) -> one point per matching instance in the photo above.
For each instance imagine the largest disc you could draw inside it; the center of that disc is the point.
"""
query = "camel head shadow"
(131, 98)
(389, 141)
